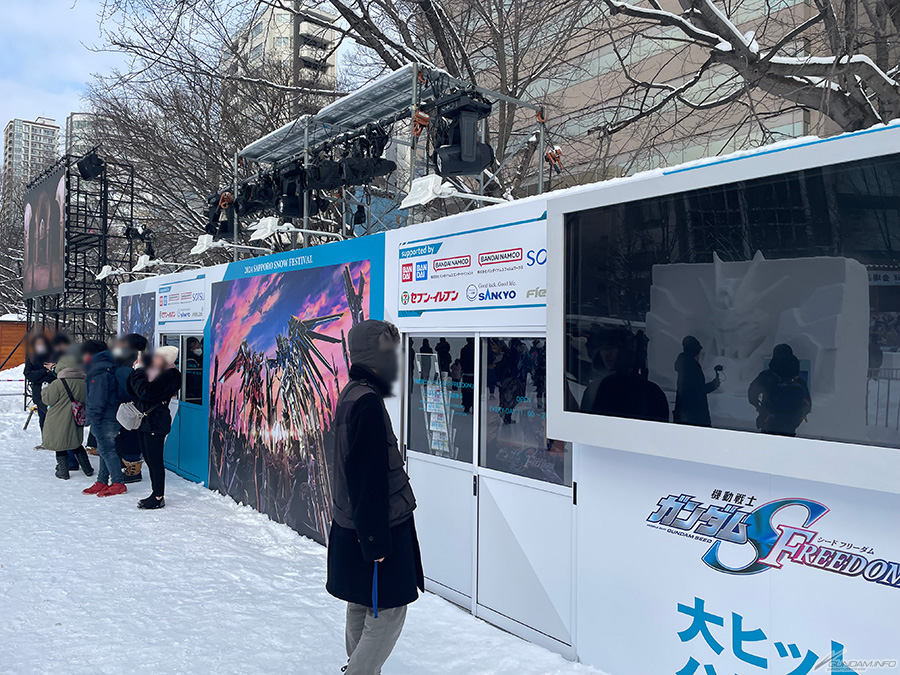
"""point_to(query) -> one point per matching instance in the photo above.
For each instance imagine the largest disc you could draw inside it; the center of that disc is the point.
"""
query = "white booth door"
(495, 509)
(440, 440)
(525, 514)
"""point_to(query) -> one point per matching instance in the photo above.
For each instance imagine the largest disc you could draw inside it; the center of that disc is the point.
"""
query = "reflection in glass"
(442, 393)
(193, 370)
(769, 305)
(513, 412)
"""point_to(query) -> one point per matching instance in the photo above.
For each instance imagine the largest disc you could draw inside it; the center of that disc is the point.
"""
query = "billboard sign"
(183, 301)
(501, 267)
(43, 270)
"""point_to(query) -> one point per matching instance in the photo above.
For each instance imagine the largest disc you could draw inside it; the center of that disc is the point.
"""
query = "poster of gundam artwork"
(279, 360)
(137, 314)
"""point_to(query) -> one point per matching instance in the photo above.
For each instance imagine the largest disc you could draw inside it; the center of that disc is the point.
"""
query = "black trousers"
(152, 450)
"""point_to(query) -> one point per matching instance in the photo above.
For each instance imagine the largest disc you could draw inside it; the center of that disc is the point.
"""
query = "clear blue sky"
(44, 64)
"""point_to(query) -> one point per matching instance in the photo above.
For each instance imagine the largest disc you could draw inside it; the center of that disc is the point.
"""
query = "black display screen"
(768, 305)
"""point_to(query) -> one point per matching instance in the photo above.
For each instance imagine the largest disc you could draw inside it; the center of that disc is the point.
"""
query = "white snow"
(94, 586)
(834, 60)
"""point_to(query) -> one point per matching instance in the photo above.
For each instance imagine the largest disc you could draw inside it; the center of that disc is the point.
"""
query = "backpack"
(787, 403)
(79, 411)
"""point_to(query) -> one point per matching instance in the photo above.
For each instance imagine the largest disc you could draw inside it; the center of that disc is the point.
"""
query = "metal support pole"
(414, 106)
(237, 224)
(541, 153)
(295, 59)
(306, 167)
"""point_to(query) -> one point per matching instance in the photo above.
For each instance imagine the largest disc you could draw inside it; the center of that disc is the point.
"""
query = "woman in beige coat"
(61, 431)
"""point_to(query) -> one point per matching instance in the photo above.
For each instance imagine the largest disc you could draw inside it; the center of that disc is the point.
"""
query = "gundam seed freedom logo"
(771, 545)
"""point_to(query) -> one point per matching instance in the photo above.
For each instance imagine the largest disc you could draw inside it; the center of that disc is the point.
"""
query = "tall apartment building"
(29, 147)
(270, 38)
(80, 136)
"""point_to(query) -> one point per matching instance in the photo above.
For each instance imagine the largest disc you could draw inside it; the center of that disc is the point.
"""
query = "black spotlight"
(324, 174)
(357, 170)
(91, 166)
(290, 203)
(460, 152)
(257, 196)
(383, 167)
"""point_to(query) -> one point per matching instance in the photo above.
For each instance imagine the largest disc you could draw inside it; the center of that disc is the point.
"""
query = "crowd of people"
(620, 384)
(76, 386)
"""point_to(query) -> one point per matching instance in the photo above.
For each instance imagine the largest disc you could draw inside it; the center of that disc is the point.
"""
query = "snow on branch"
(666, 19)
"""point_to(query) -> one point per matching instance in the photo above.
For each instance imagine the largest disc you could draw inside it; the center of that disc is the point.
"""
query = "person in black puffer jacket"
(152, 389)
(37, 373)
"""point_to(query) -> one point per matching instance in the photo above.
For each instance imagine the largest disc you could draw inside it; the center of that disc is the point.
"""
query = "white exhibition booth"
(633, 545)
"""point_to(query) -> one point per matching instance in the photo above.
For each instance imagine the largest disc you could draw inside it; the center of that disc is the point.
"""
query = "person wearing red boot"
(102, 405)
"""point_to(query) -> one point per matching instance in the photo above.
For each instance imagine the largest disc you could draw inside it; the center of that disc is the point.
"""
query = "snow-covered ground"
(95, 586)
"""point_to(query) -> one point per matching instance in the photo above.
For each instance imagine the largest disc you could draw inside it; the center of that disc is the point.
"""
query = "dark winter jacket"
(127, 442)
(380, 505)
(37, 375)
(691, 404)
(102, 389)
(60, 432)
(782, 400)
(629, 395)
(123, 372)
(153, 398)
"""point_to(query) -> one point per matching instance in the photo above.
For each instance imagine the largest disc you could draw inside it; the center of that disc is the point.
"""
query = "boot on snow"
(113, 489)
(152, 502)
(84, 462)
(132, 471)
(94, 489)
(62, 465)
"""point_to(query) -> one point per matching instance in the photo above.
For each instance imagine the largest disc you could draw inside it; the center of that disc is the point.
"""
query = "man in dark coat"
(373, 552)
(691, 404)
(625, 393)
(780, 395)
(102, 404)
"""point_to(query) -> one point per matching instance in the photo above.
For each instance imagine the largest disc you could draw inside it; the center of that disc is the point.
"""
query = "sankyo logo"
(496, 296)
(404, 297)
(472, 293)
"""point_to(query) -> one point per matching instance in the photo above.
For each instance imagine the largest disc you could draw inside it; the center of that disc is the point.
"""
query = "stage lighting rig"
(460, 153)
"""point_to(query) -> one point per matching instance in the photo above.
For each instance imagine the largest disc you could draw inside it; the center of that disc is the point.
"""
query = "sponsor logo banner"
(494, 268)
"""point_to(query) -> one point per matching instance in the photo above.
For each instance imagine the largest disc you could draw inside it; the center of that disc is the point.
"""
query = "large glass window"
(768, 305)
(442, 396)
(514, 412)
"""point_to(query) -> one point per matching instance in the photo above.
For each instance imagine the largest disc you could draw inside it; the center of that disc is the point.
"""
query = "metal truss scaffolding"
(98, 214)
(390, 99)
